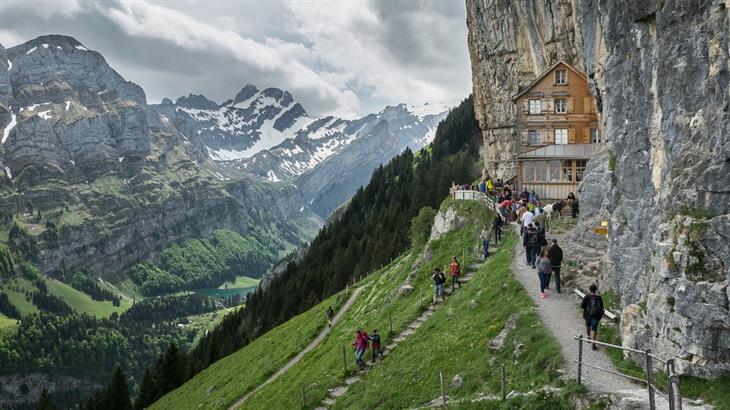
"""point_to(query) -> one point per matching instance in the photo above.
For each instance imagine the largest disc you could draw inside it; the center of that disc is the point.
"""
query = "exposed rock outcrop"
(659, 73)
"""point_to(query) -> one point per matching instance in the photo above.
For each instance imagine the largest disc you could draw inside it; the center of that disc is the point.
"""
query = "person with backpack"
(543, 272)
(575, 209)
(592, 312)
(555, 253)
(438, 284)
(330, 316)
(375, 338)
(497, 224)
(531, 242)
(455, 268)
(484, 236)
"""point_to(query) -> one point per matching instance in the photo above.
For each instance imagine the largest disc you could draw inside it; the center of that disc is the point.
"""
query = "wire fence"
(657, 374)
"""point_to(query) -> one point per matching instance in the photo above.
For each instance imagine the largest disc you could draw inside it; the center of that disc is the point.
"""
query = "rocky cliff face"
(659, 73)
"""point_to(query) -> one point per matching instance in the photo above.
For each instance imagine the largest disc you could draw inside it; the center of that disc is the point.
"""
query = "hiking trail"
(560, 314)
(314, 343)
(340, 390)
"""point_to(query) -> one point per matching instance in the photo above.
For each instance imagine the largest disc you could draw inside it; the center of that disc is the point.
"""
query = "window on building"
(535, 107)
(561, 105)
(527, 171)
(554, 171)
(580, 169)
(567, 167)
(540, 171)
(534, 137)
(561, 136)
(561, 76)
(595, 136)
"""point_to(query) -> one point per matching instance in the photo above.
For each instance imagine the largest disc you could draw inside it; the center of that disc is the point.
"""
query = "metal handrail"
(610, 345)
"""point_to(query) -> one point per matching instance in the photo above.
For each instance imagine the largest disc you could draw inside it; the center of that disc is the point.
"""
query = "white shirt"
(527, 218)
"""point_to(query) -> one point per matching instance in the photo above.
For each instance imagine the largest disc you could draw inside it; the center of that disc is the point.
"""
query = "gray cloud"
(335, 57)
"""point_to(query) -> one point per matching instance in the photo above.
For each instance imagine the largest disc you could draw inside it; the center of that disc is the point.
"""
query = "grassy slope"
(453, 340)
(18, 299)
(83, 303)
(7, 324)
(233, 376)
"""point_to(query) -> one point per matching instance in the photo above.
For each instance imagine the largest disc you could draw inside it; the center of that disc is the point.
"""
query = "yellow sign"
(603, 229)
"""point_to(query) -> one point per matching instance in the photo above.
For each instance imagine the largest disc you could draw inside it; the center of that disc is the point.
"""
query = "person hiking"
(455, 268)
(375, 338)
(361, 345)
(484, 236)
(527, 218)
(543, 272)
(438, 284)
(540, 237)
(555, 253)
(592, 312)
(482, 187)
(490, 186)
(531, 242)
(330, 316)
(574, 209)
(497, 224)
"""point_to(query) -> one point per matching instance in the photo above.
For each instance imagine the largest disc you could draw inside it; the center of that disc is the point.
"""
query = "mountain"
(266, 134)
(104, 203)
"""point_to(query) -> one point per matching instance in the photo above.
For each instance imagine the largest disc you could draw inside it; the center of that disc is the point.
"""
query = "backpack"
(594, 309)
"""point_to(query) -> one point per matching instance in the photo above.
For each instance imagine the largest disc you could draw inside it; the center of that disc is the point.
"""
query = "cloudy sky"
(336, 57)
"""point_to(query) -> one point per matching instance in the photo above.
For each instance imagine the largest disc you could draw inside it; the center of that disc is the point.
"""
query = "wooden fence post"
(443, 394)
(390, 322)
(649, 379)
(344, 360)
(504, 384)
(304, 397)
(580, 355)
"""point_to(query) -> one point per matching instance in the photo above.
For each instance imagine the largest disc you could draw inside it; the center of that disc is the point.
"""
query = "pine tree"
(148, 391)
(45, 401)
(118, 393)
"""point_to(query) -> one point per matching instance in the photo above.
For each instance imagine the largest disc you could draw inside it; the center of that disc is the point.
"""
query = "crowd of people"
(527, 211)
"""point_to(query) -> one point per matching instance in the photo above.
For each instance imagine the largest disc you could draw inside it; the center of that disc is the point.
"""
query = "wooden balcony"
(552, 117)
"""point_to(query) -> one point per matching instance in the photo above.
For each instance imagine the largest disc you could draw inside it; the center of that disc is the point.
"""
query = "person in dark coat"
(556, 259)
(531, 242)
(575, 209)
(497, 227)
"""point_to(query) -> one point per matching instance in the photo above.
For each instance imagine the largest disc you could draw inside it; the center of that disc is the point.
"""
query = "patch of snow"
(7, 171)
(44, 45)
(321, 132)
(217, 175)
(10, 65)
(121, 159)
(31, 50)
(82, 48)
(422, 111)
(301, 209)
(271, 176)
(9, 127)
(73, 162)
(68, 104)
(34, 106)
(59, 47)
(45, 114)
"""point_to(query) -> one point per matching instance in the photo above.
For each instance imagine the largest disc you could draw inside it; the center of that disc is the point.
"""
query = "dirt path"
(560, 314)
(340, 391)
(314, 343)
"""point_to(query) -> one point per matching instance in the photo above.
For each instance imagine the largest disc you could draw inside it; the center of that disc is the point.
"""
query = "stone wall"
(659, 73)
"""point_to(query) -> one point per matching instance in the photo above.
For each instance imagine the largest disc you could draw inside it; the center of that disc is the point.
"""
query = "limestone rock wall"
(659, 73)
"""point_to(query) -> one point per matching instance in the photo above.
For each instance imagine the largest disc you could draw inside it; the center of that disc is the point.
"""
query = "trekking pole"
(443, 394)
(504, 384)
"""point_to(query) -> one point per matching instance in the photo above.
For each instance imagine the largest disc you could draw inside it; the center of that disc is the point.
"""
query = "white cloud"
(9, 38)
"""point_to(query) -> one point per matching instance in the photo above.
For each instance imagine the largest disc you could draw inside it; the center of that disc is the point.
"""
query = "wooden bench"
(605, 311)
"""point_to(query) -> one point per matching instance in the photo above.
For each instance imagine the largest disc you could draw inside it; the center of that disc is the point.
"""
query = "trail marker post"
(390, 322)
(344, 360)
(580, 355)
(304, 397)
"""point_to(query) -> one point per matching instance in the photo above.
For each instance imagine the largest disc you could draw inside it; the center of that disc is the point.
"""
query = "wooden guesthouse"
(558, 125)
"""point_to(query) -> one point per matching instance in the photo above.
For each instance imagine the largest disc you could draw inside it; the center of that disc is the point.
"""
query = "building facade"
(558, 127)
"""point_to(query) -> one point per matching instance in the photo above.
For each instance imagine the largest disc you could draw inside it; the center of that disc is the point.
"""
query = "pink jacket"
(361, 342)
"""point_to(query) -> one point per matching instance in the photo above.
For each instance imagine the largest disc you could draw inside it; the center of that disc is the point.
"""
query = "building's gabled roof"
(545, 73)
(561, 151)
